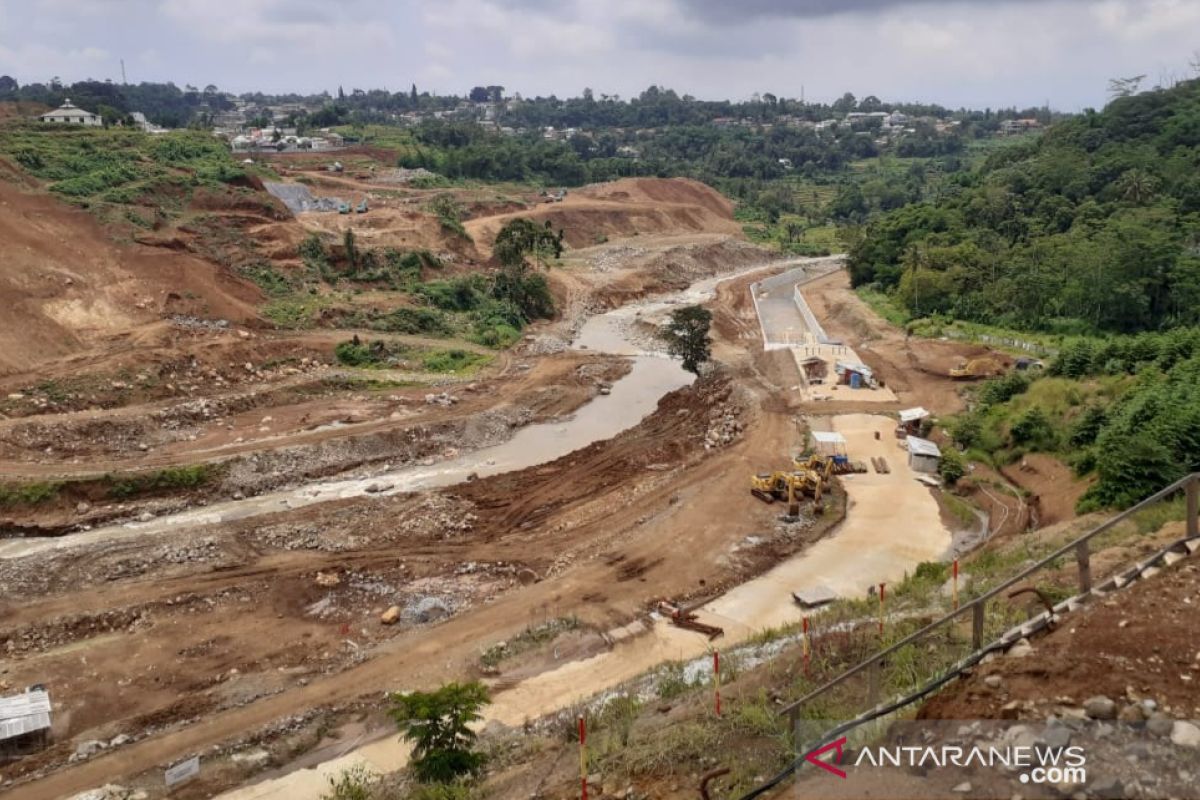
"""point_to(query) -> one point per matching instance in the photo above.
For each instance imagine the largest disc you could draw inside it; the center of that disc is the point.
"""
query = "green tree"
(522, 237)
(438, 724)
(687, 337)
(951, 467)
(351, 248)
(1137, 186)
(529, 293)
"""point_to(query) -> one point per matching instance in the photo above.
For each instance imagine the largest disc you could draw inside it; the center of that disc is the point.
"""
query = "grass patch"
(529, 639)
(28, 494)
(296, 311)
(169, 479)
(884, 306)
(960, 509)
(273, 282)
(378, 354)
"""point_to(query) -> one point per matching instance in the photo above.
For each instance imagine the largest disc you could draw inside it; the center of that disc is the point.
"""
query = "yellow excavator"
(822, 466)
(975, 368)
(789, 486)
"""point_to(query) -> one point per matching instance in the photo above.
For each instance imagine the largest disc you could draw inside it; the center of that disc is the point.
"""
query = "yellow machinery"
(789, 486)
(975, 368)
(826, 466)
(821, 466)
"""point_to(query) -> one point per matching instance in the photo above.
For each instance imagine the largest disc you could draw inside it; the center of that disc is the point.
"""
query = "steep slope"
(67, 284)
(628, 207)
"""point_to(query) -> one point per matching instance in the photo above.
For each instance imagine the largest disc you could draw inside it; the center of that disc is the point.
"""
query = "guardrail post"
(1193, 509)
(1083, 556)
(977, 625)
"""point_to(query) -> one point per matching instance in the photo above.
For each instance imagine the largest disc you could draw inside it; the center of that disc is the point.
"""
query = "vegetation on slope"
(122, 166)
(1094, 226)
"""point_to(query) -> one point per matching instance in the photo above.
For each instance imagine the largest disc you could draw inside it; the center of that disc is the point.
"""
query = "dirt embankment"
(291, 445)
(69, 287)
(626, 208)
(1052, 487)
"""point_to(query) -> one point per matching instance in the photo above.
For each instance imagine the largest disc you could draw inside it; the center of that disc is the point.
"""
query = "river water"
(635, 395)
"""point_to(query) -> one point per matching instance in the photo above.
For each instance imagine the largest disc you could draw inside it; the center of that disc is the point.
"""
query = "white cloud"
(977, 52)
(1140, 21)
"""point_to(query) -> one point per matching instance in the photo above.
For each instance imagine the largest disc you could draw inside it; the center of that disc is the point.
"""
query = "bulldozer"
(975, 368)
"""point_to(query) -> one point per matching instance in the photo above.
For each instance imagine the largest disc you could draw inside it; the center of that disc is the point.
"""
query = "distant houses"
(70, 114)
(1012, 126)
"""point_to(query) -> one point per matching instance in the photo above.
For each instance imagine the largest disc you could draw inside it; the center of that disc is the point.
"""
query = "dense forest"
(466, 150)
(1093, 227)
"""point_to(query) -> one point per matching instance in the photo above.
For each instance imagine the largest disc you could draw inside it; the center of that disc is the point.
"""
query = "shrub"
(966, 430)
(1033, 428)
(1002, 389)
(458, 294)
(416, 321)
(356, 353)
(354, 783)
(952, 467)
(1088, 425)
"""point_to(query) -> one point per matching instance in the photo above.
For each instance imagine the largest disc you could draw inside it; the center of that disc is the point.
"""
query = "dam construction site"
(271, 461)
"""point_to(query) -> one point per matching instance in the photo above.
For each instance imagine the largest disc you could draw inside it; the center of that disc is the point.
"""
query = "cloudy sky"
(956, 52)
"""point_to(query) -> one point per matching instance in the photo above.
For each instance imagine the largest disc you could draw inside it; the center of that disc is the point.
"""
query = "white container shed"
(923, 455)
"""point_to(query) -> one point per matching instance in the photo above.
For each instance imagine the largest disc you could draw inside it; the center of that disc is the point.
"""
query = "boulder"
(1100, 707)
(1020, 650)
(1185, 734)
(391, 616)
(427, 609)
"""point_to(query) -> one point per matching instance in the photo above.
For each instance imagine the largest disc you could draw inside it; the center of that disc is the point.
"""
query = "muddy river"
(634, 396)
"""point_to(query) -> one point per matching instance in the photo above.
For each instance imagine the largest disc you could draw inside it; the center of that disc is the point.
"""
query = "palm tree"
(1137, 186)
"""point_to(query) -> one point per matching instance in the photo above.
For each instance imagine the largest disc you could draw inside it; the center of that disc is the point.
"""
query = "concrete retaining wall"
(810, 319)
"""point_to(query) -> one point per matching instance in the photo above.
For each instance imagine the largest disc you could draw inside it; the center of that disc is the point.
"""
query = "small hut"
(910, 422)
(24, 723)
(815, 369)
(923, 455)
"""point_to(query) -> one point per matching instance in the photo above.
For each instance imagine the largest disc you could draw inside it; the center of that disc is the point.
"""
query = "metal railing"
(978, 606)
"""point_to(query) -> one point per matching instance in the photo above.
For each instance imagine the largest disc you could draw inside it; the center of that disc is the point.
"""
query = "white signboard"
(184, 770)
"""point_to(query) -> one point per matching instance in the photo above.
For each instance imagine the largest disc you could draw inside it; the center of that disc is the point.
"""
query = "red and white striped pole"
(717, 678)
(807, 649)
(582, 757)
(881, 591)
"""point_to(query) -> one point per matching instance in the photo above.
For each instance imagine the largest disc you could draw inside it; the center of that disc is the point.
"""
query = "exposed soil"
(626, 208)
(219, 634)
(919, 368)
(1052, 487)
(69, 288)
(1142, 642)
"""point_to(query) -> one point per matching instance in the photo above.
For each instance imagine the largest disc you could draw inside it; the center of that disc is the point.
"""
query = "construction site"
(221, 546)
